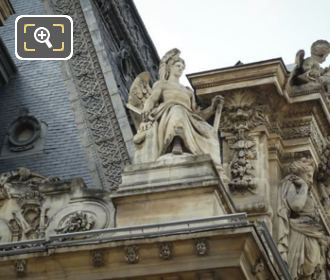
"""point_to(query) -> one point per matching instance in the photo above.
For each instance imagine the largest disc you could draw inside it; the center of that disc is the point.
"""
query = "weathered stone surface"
(308, 76)
(176, 188)
(302, 238)
(33, 206)
(169, 121)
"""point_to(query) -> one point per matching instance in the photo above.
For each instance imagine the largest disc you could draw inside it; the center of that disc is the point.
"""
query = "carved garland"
(241, 115)
(95, 99)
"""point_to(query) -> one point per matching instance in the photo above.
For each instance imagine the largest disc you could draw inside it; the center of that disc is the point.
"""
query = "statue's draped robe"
(299, 238)
(176, 115)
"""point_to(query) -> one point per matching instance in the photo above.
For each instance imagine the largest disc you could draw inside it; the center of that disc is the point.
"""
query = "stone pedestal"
(171, 189)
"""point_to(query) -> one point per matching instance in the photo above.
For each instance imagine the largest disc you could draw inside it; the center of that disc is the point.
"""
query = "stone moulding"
(107, 144)
(222, 234)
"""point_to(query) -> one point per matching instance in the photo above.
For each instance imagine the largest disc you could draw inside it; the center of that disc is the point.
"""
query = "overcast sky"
(217, 33)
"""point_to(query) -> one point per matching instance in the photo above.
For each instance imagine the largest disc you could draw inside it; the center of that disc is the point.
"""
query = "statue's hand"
(145, 126)
(145, 115)
(216, 101)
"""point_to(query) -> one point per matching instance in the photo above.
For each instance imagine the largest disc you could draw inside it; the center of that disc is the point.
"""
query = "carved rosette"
(242, 114)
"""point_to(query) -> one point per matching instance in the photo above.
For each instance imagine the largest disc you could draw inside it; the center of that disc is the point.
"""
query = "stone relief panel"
(102, 125)
(80, 216)
(33, 206)
(323, 177)
(241, 115)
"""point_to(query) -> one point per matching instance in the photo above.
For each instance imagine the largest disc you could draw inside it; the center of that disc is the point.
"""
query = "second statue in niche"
(302, 241)
(170, 121)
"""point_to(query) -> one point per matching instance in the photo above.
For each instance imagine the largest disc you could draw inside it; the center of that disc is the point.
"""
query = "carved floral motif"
(241, 114)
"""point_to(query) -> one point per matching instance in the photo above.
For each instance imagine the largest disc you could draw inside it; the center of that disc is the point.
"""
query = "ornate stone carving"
(165, 251)
(241, 114)
(132, 254)
(301, 238)
(133, 32)
(258, 267)
(81, 215)
(23, 186)
(171, 121)
(5, 231)
(74, 222)
(303, 128)
(20, 268)
(102, 124)
(36, 206)
(308, 75)
(98, 258)
(323, 177)
(201, 246)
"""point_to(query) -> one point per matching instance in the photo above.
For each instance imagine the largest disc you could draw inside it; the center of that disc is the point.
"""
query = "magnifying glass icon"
(41, 35)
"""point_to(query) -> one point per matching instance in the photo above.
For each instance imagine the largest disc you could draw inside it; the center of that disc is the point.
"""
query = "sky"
(217, 33)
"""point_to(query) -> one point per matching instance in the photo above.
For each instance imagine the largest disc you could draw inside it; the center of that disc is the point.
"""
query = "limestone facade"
(237, 189)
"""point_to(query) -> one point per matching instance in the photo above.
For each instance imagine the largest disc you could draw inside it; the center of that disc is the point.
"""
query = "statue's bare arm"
(153, 99)
(209, 111)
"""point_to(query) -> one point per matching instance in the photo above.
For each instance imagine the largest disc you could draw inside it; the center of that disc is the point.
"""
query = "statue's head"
(320, 49)
(304, 168)
(176, 67)
(170, 62)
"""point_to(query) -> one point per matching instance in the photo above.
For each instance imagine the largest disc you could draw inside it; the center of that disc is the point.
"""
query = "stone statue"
(170, 122)
(323, 177)
(301, 240)
(308, 75)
